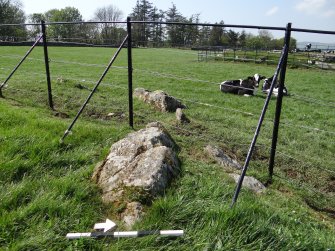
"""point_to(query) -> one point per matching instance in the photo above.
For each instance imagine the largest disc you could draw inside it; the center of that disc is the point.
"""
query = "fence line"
(182, 129)
(313, 100)
(172, 76)
(65, 62)
(86, 64)
(200, 103)
(281, 153)
(246, 145)
(216, 106)
(266, 120)
(88, 81)
(209, 138)
(304, 162)
(299, 186)
(307, 127)
(285, 123)
(20, 56)
(288, 30)
(260, 145)
(183, 24)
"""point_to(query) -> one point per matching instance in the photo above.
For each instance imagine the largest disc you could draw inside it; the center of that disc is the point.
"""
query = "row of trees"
(144, 34)
(158, 34)
(105, 33)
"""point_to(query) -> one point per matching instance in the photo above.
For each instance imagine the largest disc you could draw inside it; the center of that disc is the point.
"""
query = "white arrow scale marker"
(106, 226)
(166, 233)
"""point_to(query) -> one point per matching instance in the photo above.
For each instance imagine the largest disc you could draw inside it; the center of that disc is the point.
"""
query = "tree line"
(155, 34)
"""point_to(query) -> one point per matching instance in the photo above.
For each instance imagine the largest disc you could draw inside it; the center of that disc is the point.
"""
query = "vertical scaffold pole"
(279, 103)
(130, 75)
(46, 61)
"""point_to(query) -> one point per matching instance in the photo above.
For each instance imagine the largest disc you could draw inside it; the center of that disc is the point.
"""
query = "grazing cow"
(267, 84)
(242, 86)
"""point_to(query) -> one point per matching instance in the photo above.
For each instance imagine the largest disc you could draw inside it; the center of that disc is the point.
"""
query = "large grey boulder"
(138, 168)
(159, 99)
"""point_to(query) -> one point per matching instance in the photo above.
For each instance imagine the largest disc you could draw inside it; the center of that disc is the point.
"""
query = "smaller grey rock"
(118, 115)
(221, 158)
(181, 117)
(142, 93)
(159, 99)
(249, 182)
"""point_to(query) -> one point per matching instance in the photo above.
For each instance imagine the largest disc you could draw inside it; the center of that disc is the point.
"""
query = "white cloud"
(323, 8)
(310, 6)
(329, 13)
(272, 11)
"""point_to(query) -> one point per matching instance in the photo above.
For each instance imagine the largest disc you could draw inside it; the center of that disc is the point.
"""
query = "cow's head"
(251, 82)
(257, 78)
(266, 84)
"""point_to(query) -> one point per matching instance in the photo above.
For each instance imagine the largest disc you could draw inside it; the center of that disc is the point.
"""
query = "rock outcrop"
(137, 169)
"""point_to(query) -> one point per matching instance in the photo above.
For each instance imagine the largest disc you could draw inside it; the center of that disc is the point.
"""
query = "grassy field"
(46, 187)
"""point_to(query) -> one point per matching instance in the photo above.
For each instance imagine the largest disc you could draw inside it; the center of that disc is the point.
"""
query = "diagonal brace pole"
(94, 89)
(18, 65)
(253, 142)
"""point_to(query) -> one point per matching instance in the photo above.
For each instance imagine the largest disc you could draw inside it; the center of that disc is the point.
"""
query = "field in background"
(298, 59)
(47, 191)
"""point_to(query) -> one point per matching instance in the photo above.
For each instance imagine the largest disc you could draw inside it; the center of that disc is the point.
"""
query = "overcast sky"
(308, 14)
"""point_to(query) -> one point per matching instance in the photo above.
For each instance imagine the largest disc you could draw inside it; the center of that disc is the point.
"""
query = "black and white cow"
(267, 84)
(242, 86)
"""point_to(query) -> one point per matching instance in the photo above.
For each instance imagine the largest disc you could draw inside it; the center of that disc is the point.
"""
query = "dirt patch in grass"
(331, 185)
(62, 115)
(329, 211)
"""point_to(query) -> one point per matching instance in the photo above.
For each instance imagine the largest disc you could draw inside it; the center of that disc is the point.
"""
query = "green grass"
(46, 187)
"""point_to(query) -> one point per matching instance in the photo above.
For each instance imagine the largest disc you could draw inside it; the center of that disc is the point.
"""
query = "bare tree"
(110, 32)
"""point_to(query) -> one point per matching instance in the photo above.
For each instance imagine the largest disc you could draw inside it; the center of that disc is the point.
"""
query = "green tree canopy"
(176, 33)
(64, 31)
(216, 35)
(142, 11)
(11, 13)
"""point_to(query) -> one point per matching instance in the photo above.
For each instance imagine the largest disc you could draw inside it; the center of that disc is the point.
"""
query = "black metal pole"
(18, 65)
(261, 118)
(46, 61)
(94, 89)
(130, 75)
(279, 103)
